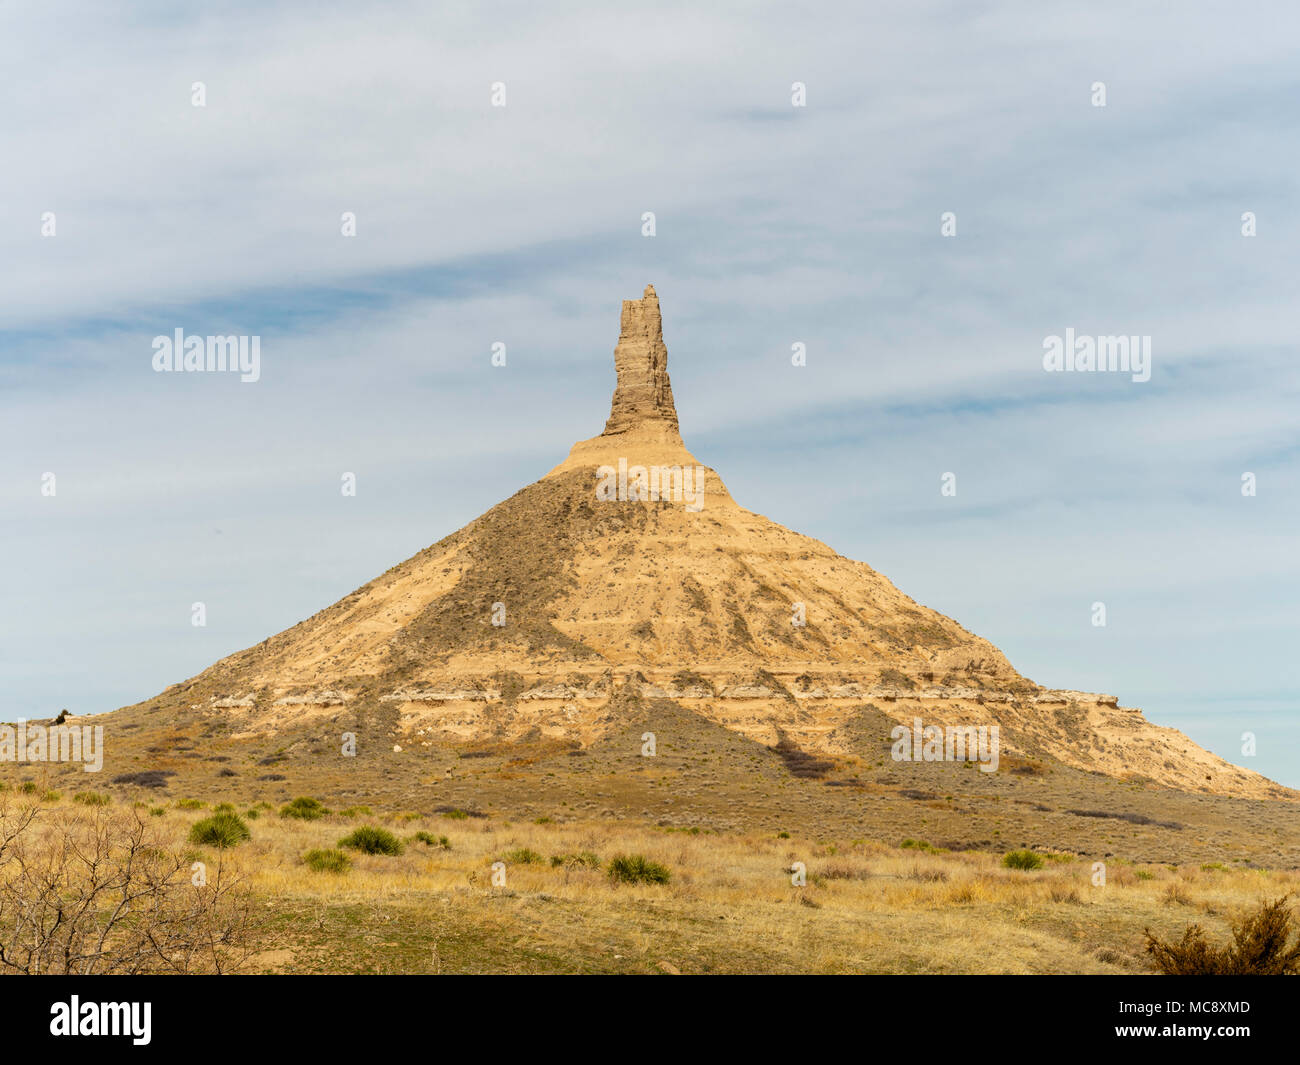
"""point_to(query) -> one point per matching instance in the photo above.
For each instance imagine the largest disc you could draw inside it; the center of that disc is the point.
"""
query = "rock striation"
(643, 396)
(557, 610)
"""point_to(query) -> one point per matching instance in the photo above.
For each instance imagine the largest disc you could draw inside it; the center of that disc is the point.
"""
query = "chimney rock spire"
(643, 395)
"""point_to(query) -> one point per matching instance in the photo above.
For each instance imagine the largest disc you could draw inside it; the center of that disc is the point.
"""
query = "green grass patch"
(304, 809)
(371, 839)
(327, 860)
(521, 856)
(637, 869)
(224, 829)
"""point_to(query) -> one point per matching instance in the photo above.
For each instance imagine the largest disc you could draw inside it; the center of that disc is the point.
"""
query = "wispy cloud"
(775, 225)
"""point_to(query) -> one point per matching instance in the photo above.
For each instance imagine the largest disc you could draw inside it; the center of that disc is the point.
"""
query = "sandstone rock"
(554, 691)
(323, 698)
(616, 602)
(434, 695)
(643, 393)
(746, 691)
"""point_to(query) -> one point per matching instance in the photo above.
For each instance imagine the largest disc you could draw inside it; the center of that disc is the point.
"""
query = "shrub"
(189, 804)
(146, 778)
(1022, 860)
(91, 798)
(109, 894)
(455, 815)
(223, 829)
(921, 845)
(304, 809)
(637, 869)
(1132, 818)
(581, 860)
(896, 679)
(357, 811)
(51, 796)
(432, 840)
(327, 860)
(1259, 947)
(372, 840)
(521, 856)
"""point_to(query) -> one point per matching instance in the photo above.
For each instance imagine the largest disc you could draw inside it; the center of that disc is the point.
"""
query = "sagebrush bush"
(521, 856)
(637, 869)
(224, 829)
(327, 860)
(304, 809)
(372, 840)
(1260, 947)
(1022, 860)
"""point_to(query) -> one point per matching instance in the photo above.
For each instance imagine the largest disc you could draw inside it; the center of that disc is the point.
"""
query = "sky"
(774, 224)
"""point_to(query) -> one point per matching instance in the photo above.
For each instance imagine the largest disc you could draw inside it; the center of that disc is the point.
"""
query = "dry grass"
(731, 905)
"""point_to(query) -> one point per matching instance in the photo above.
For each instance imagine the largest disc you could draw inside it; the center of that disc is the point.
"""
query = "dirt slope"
(545, 615)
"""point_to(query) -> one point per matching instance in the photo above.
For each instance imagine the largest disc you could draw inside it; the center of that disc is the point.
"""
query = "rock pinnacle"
(643, 395)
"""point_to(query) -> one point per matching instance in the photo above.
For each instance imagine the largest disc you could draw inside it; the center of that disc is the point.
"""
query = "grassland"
(726, 816)
(730, 905)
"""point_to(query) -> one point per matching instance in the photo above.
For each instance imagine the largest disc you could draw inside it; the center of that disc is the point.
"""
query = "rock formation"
(643, 395)
(547, 614)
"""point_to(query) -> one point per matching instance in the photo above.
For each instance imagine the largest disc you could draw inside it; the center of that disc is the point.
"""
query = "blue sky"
(775, 224)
